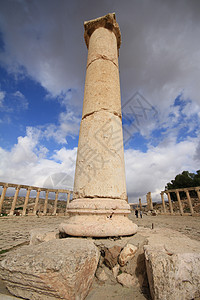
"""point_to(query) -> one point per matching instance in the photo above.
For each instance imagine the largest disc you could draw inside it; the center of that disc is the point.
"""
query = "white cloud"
(68, 126)
(27, 163)
(152, 170)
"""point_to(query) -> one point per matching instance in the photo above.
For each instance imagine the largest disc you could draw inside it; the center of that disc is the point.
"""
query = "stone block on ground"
(126, 280)
(52, 270)
(127, 254)
(173, 265)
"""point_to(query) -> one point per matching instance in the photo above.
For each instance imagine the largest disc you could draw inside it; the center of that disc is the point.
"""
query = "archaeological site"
(88, 243)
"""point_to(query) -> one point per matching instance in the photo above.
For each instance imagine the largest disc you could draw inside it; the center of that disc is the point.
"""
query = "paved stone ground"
(15, 233)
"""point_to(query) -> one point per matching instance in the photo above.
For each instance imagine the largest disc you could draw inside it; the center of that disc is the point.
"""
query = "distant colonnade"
(29, 189)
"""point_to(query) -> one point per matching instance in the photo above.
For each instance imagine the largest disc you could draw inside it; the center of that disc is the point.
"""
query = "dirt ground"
(15, 233)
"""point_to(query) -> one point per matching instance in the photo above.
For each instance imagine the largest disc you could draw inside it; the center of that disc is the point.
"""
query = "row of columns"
(197, 189)
(29, 189)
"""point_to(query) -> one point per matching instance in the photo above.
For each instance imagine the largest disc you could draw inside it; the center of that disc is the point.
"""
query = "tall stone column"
(36, 202)
(3, 196)
(26, 201)
(163, 202)
(14, 201)
(140, 203)
(179, 202)
(46, 202)
(99, 207)
(170, 203)
(189, 201)
(150, 201)
(55, 203)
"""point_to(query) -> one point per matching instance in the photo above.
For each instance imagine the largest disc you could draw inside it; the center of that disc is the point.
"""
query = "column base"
(98, 217)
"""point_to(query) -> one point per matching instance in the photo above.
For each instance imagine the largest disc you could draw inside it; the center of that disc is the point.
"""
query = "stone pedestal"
(99, 207)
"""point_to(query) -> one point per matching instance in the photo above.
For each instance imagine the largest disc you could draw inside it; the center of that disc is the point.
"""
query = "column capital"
(108, 21)
(18, 187)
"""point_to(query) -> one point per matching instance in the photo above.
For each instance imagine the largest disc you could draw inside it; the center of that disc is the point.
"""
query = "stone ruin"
(37, 205)
(57, 265)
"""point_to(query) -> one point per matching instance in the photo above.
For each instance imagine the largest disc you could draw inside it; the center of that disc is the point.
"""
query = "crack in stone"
(104, 57)
(102, 109)
(79, 195)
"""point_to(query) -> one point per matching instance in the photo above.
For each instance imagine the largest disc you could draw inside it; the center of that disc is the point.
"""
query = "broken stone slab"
(127, 254)
(38, 236)
(136, 265)
(111, 256)
(62, 268)
(173, 264)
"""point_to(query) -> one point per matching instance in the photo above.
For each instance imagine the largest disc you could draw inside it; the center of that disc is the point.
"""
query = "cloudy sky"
(42, 71)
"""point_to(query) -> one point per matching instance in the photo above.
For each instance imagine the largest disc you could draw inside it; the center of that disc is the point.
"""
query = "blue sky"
(42, 70)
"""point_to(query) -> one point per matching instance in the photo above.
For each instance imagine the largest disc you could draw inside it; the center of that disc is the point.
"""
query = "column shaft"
(189, 201)
(14, 201)
(179, 202)
(150, 201)
(198, 193)
(68, 200)
(36, 202)
(163, 202)
(170, 203)
(140, 204)
(55, 203)
(148, 204)
(26, 202)
(3, 196)
(46, 203)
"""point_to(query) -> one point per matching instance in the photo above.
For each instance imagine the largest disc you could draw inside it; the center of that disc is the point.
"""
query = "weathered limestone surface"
(38, 236)
(100, 168)
(126, 279)
(51, 270)
(99, 207)
(173, 264)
